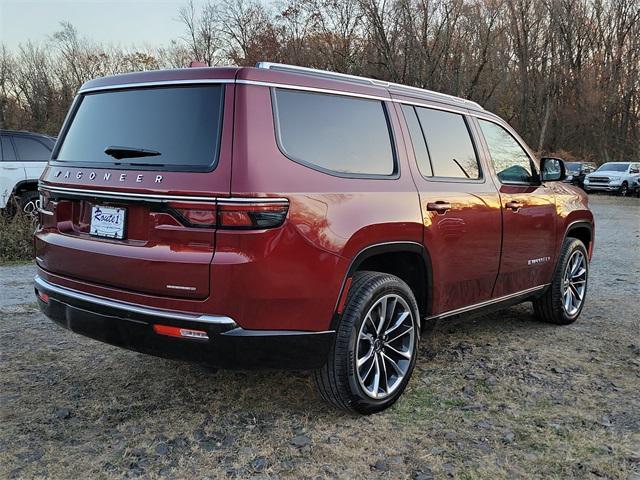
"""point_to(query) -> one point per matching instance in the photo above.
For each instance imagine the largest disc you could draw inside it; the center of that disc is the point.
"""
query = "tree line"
(564, 73)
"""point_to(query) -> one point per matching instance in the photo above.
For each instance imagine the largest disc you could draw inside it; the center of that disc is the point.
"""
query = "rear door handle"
(514, 205)
(440, 207)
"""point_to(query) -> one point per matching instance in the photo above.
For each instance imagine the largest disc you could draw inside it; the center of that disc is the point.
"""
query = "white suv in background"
(23, 157)
(620, 177)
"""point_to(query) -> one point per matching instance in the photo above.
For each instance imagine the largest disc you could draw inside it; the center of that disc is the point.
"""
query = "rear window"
(343, 135)
(175, 128)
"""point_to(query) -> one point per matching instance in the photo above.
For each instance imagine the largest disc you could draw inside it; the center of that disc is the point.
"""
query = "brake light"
(252, 215)
(242, 214)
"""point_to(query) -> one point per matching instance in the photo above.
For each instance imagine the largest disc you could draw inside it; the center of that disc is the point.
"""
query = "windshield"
(572, 167)
(175, 128)
(614, 167)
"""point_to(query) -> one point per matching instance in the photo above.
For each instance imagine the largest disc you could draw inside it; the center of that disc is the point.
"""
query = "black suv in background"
(576, 171)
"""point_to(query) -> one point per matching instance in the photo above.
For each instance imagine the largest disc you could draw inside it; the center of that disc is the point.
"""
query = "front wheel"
(563, 301)
(624, 189)
(376, 345)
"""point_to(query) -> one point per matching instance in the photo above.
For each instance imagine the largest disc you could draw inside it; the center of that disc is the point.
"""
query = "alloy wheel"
(385, 346)
(574, 284)
(31, 207)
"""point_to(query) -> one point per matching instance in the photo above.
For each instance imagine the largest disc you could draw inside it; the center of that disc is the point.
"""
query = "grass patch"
(16, 239)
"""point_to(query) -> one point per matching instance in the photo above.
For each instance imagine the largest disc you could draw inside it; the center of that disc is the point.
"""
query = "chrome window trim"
(129, 307)
(426, 103)
(486, 303)
(110, 194)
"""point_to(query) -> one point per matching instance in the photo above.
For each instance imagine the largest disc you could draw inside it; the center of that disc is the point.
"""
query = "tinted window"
(336, 133)
(180, 126)
(31, 150)
(449, 144)
(8, 155)
(511, 162)
(418, 141)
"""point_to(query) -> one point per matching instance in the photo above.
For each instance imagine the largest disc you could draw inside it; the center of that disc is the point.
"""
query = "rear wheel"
(376, 343)
(564, 299)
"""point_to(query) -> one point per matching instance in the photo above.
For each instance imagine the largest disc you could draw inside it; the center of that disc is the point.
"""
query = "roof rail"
(399, 88)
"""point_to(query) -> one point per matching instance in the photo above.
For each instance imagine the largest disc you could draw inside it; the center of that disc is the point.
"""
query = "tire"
(554, 306)
(624, 189)
(340, 381)
(29, 203)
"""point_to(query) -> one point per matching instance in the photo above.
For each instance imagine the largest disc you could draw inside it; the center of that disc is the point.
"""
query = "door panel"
(461, 216)
(463, 242)
(528, 212)
(528, 252)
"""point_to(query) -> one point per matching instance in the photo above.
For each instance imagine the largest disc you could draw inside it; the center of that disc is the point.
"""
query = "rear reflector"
(245, 215)
(43, 296)
(180, 332)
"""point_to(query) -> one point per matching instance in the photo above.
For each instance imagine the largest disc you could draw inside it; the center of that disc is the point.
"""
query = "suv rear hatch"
(129, 198)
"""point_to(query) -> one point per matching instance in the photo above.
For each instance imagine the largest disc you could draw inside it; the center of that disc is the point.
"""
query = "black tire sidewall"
(570, 246)
(389, 285)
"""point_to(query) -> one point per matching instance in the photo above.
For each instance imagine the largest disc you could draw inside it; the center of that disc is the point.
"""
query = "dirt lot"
(500, 396)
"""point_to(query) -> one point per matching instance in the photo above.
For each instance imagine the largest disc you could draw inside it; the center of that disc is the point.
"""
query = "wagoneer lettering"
(358, 213)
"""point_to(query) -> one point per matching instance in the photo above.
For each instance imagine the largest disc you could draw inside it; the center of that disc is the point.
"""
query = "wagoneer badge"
(106, 176)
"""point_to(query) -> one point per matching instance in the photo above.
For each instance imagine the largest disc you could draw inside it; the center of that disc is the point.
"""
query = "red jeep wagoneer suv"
(287, 217)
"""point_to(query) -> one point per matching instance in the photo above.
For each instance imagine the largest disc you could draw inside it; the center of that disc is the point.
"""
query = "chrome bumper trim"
(129, 307)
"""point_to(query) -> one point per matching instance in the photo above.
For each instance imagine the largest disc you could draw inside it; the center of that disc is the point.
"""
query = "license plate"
(107, 221)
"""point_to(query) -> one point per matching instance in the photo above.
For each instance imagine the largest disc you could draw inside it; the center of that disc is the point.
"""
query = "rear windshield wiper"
(129, 152)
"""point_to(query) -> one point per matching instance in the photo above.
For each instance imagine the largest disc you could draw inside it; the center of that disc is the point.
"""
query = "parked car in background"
(577, 171)
(618, 177)
(23, 158)
(359, 212)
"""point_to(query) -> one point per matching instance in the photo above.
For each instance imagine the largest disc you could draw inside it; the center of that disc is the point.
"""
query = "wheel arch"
(583, 231)
(407, 260)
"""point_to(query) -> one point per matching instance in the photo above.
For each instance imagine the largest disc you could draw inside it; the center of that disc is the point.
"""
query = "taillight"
(243, 214)
(203, 215)
(251, 215)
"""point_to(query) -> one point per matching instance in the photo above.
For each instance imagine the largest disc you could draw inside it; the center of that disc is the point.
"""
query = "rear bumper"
(225, 345)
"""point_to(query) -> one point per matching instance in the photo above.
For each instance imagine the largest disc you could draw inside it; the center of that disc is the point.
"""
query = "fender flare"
(378, 249)
(572, 226)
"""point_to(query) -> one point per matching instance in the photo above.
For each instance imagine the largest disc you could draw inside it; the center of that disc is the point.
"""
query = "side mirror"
(552, 170)
(633, 171)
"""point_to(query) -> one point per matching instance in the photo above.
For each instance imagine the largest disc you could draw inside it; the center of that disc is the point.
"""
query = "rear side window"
(337, 134)
(449, 144)
(511, 162)
(174, 128)
(8, 154)
(31, 150)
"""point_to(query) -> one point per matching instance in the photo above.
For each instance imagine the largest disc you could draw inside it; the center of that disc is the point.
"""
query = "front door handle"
(514, 205)
(440, 207)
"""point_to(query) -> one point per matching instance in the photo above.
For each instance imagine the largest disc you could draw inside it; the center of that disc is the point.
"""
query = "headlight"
(586, 180)
(615, 181)
(569, 177)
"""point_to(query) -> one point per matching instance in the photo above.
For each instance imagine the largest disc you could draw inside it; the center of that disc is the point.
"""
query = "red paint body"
(291, 277)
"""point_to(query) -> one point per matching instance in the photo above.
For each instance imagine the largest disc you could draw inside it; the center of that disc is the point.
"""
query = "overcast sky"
(119, 22)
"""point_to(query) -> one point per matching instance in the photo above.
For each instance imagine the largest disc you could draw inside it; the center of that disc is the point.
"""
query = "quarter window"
(511, 162)
(334, 133)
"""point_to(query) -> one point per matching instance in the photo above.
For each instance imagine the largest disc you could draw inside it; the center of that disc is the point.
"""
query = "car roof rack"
(397, 87)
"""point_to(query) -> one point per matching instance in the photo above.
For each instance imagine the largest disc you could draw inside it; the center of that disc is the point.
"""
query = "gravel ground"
(499, 396)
